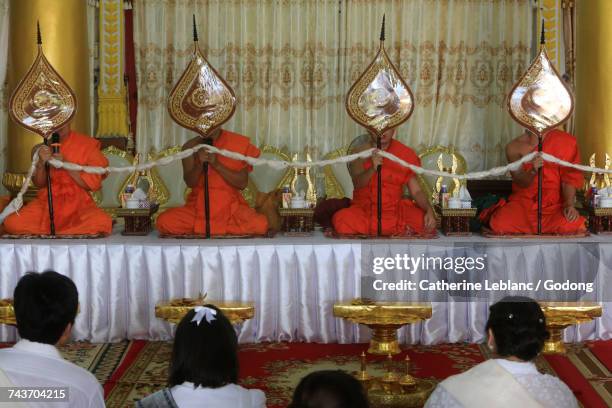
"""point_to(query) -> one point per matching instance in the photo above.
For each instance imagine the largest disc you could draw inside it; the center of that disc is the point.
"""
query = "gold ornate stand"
(174, 310)
(7, 313)
(560, 315)
(384, 318)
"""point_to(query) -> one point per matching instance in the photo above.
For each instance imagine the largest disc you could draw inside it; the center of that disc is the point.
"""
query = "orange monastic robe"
(520, 214)
(399, 216)
(75, 212)
(230, 214)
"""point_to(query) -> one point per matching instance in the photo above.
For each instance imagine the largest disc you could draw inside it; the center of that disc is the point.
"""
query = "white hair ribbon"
(204, 312)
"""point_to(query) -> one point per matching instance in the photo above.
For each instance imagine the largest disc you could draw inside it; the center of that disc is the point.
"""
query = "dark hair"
(204, 354)
(45, 303)
(329, 389)
(519, 327)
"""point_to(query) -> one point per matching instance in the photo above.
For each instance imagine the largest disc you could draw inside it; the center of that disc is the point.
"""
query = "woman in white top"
(516, 333)
(204, 366)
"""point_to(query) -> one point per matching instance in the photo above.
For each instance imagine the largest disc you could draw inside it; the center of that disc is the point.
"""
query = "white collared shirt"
(30, 364)
(231, 395)
(549, 391)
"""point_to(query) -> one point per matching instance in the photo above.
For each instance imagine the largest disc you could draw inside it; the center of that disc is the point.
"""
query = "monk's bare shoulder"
(518, 147)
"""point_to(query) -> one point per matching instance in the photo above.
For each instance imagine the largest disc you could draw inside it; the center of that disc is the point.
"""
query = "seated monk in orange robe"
(75, 212)
(559, 216)
(399, 216)
(230, 214)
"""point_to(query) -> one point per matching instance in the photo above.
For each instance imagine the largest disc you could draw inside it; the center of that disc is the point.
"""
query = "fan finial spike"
(542, 36)
(38, 36)
(195, 30)
(382, 29)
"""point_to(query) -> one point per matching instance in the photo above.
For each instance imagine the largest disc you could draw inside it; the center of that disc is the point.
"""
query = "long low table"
(293, 282)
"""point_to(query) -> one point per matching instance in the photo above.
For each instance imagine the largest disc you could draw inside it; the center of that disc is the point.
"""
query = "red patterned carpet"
(131, 370)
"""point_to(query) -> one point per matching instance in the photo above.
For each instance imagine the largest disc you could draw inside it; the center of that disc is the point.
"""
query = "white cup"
(132, 203)
(605, 202)
(454, 203)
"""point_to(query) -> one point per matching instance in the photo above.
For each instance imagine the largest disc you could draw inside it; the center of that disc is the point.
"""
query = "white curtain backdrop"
(4, 30)
(291, 64)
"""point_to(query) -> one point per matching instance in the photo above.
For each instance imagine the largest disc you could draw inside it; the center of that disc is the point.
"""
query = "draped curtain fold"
(4, 30)
(291, 63)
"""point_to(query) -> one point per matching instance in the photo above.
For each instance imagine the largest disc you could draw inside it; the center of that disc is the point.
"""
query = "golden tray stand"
(384, 318)
(7, 312)
(174, 310)
(561, 315)
(456, 221)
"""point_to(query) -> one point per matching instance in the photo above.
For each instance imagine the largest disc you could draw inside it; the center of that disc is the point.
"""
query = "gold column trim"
(550, 11)
(112, 105)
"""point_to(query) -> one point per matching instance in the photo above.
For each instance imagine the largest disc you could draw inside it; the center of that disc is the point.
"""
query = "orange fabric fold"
(75, 212)
(399, 216)
(230, 214)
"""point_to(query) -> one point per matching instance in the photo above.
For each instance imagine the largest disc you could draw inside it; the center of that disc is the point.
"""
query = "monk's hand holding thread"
(44, 154)
(376, 159)
(537, 162)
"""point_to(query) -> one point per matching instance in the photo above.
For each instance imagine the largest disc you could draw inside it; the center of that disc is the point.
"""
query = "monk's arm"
(521, 177)
(39, 178)
(192, 166)
(360, 176)
(568, 194)
(239, 179)
(418, 195)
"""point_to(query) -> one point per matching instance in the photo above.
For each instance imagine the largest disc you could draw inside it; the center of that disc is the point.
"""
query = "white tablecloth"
(294, 283)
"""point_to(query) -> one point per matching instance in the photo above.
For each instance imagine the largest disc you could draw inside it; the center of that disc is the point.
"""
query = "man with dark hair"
(46, 305)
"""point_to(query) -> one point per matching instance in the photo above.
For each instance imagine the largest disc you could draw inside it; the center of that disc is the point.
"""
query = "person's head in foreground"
(46, 305)
(516, 332)
(204, 365)
(205, 351)
(329, 389)
(516, 328)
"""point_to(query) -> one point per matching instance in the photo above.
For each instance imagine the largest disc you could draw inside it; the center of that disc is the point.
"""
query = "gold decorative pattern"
(380, 99)
(333, 188)
(282, 155)
(42, 102)
(14, 181)
(7, 312)
(157, 188)
(384, 318)
(550, 12)
(201, 100)
(112, 104)
(432, 190)
(541, 101)
(98, 196)
(174, 310)
(599, 180)
(560, 315)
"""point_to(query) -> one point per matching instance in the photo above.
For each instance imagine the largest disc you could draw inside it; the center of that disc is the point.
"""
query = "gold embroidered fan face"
(201, 100)
(380, 99)
(540, 101)
(42, 102)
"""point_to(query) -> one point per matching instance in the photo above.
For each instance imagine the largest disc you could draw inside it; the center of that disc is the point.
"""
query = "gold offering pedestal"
(7, 313)
(384, 318)
(297, 221)
(393, 390)
(456, 221)
(600, 220)
(560, 315)
(174, 310)
(137, 220)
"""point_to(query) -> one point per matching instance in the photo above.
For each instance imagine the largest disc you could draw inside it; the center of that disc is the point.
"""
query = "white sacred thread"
(17, 203)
